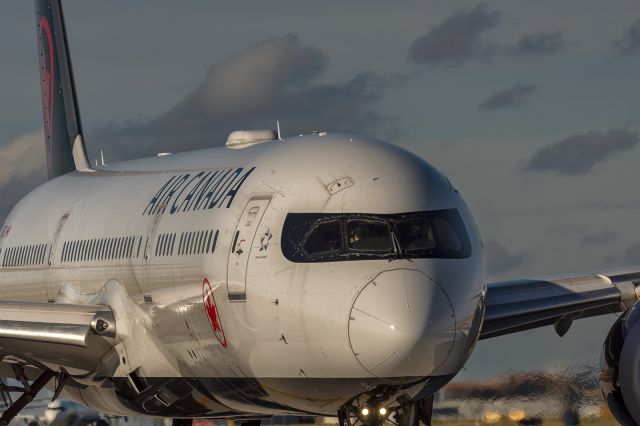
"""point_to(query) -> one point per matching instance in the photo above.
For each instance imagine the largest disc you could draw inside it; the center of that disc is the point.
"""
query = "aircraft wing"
(52, 335)
(513, 306)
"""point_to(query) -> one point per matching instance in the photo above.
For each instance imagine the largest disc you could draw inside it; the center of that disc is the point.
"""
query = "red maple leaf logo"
(211, 310)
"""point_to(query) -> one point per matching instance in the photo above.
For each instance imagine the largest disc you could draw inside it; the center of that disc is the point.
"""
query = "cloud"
(22, 168)
(629, 43)
(539, 44)
(598, 238)
(500, 260)
(458, 39)
(578, 154)
(277, 79)
(513, 97)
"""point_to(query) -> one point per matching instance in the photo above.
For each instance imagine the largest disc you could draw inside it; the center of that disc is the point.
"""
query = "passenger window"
(215, 240)
(209, 235)
(323, 239)
(202, 242)
(369, 235)
(251, 216)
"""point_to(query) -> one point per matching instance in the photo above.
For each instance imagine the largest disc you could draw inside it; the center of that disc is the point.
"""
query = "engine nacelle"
(620, 368)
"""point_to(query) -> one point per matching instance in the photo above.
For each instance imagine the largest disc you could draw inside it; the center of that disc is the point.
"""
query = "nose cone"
(402, 324)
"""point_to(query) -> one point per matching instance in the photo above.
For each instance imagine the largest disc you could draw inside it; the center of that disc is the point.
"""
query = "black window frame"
(299, 226)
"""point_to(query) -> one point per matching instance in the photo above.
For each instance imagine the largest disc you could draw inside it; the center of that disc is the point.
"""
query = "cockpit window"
(369, 236)
(416, 234)
(449, 240)
(323, 239)
(310, 237)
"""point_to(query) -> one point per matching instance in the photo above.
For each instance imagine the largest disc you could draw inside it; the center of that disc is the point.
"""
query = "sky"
(532, 109)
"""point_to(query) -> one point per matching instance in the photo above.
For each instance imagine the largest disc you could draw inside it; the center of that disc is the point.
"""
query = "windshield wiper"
(399, 254)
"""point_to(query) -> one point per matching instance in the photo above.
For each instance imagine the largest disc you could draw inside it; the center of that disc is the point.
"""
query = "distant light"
(516, 415)
(491, 417)
(365, 411)
(393, 327)
(382, 411)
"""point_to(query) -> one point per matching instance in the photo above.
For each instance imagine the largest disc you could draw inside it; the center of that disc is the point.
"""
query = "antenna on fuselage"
(101, 162)
(278, 130)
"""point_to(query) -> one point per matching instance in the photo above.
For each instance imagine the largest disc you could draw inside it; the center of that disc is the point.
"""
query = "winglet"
(63, 132)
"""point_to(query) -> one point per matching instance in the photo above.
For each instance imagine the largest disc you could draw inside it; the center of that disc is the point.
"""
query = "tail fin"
(63, 132)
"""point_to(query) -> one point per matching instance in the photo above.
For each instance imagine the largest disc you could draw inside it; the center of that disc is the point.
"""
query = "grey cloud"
(539, 44)
(598, 238)
(277, 79)
(500, 260)
(22, 168)
(512, 97)
(629, 43)
(578, 154)
(457, 39)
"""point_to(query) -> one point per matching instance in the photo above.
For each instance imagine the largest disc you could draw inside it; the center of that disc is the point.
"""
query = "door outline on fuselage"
(53, 251)
(241, 246)
(149, 240)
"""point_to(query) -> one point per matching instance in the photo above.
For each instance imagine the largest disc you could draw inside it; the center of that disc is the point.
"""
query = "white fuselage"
(195, 239)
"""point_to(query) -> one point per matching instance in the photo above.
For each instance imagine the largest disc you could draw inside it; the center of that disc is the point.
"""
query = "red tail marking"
(47, 79)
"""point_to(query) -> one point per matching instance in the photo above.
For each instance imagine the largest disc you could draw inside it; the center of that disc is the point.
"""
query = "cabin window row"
(31, 255)
(101, 249)
(195, 242)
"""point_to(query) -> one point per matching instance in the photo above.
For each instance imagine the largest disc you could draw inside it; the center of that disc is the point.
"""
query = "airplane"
(324, 274)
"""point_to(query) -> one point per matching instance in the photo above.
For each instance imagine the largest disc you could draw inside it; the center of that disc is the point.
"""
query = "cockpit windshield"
(311, 237)
(367, 235)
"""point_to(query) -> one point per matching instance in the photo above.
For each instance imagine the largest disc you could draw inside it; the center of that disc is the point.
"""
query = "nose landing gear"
(373, 413)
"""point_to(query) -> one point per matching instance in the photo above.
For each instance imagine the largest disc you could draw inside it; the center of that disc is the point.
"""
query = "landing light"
(393, 327)
(365, 411)
(382, 411)
(516, 415)
(491, 417)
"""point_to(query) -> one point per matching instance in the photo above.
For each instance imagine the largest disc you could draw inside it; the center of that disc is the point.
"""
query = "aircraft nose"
(402, 325)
